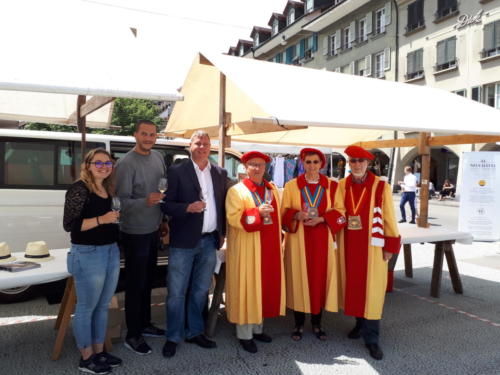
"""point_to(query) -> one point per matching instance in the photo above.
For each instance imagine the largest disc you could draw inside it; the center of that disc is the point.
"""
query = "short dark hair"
(140, 122)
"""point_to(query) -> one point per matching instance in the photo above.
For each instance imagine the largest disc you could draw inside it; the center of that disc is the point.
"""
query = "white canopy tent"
(263, 96)
(46, 65)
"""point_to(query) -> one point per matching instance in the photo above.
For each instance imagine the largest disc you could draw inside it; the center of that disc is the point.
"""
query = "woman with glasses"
(310, 254)
(94, 258)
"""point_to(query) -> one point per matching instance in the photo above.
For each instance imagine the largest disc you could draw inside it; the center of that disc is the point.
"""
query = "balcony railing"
(445, 12)
(490, 52)
(419, 25)
(447, 65)
(414, 75)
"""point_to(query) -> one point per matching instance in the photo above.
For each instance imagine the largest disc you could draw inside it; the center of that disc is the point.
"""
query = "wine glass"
(116, 206)
(162, 186)
(203, 197)
(268, 196)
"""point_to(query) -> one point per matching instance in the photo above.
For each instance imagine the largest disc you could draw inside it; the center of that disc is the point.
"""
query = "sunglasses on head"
(356, 160)
(312, 161)
(101, 164)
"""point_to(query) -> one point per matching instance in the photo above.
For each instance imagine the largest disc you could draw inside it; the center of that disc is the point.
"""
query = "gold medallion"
(312, 212)
(354, 223)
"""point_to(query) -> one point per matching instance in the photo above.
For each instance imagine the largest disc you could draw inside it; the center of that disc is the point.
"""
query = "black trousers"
(370, 330)
(300, 319)
(141, 253)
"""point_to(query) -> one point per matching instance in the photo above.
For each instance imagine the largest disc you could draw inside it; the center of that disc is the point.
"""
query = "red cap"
(254, 154)
(309, 150)
(358, 152)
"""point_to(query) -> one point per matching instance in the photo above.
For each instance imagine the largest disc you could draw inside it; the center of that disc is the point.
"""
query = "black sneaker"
(108, 359)
(138, 345)
(152, 331)
(93, 366)
(401, 221)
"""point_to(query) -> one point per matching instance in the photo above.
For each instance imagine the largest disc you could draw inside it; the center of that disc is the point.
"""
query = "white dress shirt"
(207, 191)
(410, 183)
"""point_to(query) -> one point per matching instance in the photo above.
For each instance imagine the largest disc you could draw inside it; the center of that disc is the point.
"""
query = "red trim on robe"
(356, 246)
(335, 221)
(247, 215)
(270, 258)
(392, 244)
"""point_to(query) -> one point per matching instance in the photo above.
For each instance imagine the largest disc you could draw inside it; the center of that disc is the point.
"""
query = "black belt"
(208, 234)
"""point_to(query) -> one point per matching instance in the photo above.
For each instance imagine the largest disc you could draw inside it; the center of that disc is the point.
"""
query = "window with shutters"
(462, 92)
(491, 45)
(415, 16)
(346, 38)
(362, 31)
(290, 17)
(476, 94)
(380, 21)
(310, 47)
(333, 43)
(276, 24)
(360, 67)
(492, 95)
(309, 6)
(446, 9)
(446, 54)
(415, 65)
(379, 65)
(298, 52)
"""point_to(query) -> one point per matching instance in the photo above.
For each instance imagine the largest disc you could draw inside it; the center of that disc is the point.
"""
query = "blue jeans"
(191, 268)
(408, 196)
(95, 270)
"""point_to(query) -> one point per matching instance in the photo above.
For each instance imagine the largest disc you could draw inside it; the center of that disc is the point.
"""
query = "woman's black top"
(81, 204)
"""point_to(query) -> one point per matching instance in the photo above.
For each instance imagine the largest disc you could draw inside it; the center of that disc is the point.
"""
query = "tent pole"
(222, 119)
(425, 154)
(81, 122)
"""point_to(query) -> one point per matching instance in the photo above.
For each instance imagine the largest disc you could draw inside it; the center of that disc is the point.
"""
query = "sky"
(170, 32)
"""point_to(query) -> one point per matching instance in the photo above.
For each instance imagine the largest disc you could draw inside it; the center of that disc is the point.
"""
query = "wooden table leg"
(452, 267)
(213, 312)
(65, 311)
(408, 260)
(69, 284)
(437, 270)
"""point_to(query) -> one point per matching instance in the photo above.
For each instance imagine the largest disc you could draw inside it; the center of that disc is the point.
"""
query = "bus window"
(231, 164)
(70, 160)
(29, 164)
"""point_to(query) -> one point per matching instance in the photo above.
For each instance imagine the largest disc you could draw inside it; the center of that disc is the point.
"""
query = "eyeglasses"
(256, 165)
(312, 162)
(354, 160)
(101, 164)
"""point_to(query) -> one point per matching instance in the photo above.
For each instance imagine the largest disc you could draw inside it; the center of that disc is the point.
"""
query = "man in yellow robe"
(255, 278)
(366, 245)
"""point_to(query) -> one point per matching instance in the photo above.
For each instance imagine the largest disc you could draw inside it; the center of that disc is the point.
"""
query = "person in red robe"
(366, 244)
(255, 274)
(311, 259)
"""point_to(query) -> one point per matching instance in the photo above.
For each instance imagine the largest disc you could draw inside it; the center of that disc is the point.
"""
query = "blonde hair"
(87, 177)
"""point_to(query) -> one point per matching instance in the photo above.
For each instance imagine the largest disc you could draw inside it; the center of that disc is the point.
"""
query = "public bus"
(36, 169)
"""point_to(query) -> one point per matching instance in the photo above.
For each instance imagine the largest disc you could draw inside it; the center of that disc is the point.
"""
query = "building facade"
(448, 44)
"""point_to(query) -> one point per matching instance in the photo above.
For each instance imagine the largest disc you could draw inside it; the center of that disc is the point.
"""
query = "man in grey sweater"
(137, 176)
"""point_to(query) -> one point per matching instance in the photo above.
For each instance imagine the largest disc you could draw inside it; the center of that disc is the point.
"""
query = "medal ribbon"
(313, 200)
(257, 198)
(355, 207)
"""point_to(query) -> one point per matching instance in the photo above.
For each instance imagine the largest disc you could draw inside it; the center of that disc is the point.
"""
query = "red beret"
(254, 154)
(358, 152)
(305, 151)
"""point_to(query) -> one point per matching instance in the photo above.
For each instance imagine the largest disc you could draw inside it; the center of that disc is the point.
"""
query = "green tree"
(127, 112)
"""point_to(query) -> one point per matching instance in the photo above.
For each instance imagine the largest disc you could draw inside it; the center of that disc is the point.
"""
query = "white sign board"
(479, 195)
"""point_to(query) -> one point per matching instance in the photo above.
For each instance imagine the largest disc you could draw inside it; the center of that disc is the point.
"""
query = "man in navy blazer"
(195, 202)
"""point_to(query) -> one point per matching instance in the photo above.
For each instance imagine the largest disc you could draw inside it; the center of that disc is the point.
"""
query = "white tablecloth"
(410, 233)
(52, 270)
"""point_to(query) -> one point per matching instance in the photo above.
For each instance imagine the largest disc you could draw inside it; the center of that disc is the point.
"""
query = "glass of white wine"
(162, 186)
(116, 206)
(268, 199)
